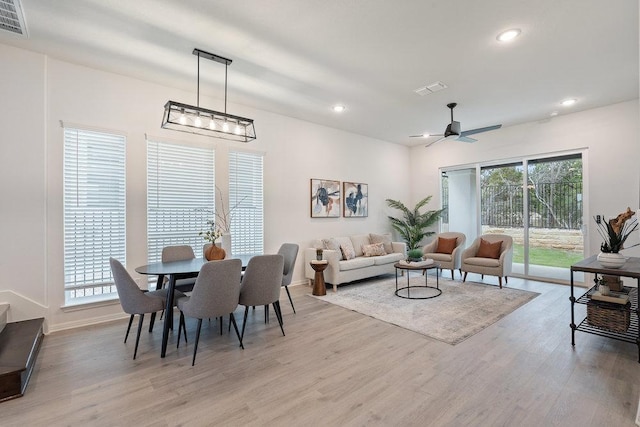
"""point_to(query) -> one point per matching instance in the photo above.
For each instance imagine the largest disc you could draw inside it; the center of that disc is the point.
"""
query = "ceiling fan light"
(508, 35)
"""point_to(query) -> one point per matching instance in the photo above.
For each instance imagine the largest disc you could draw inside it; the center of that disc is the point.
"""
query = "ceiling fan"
(453, 130)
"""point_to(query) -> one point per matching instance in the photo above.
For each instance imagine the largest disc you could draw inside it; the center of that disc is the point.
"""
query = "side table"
(319, 287)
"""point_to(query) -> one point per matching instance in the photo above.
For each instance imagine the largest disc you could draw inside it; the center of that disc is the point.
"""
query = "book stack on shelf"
(611, 312)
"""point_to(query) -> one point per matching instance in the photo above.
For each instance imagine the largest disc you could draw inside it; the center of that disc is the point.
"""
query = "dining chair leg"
(153, 319)
(232, 319)
(220, 325)
(244, 323)
(195, 347)
(286, 288)
(276, 308)
(182, 327)
(135, 351)
(266, 313)
(128, 328)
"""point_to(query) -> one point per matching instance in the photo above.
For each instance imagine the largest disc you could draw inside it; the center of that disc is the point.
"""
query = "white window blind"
(94, 212)
(180, 196)
(246, 197)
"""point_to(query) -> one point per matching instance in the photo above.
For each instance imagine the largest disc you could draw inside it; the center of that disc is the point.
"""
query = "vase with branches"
(413, 224)
(219, 227)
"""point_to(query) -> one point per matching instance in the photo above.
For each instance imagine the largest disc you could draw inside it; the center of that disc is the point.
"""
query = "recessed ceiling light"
(569, 102)
(553, 113)
(508, 35)
(338, 108)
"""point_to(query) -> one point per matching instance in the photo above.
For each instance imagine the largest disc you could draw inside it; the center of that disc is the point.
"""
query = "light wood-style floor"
(337, 367)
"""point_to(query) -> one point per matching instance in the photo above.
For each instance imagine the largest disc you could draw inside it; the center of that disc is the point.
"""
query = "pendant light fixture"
(202, 121)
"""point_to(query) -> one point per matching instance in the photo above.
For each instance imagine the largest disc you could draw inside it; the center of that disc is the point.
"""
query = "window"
(180, 196)
(246, 200)
(94, 212)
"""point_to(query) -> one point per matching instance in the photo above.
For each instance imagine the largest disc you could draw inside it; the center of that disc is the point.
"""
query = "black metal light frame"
(203, 121)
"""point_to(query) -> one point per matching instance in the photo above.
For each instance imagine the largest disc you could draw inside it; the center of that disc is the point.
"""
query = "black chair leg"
(153, 319)
(128, 328)
(135, 352)
(232, 319)
(266, 313)
(244, 323)
(276, 308)
(220, 325)
(286, 288)
(195, 348)
(182, 327)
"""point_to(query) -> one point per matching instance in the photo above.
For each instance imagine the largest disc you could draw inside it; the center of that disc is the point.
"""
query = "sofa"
(355, 257)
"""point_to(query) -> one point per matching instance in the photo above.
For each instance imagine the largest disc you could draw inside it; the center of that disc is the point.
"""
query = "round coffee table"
(432, 291)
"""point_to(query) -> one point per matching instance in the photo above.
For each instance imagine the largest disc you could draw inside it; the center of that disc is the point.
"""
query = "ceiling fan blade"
(465, 139)
(433, 142)
(480, 130)
(422, 136)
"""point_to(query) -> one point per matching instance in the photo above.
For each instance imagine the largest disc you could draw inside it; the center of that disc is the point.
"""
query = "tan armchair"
(499, 266)
(448, 261)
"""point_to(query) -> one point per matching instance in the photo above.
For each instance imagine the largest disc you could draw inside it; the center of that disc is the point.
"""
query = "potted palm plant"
(413, 224)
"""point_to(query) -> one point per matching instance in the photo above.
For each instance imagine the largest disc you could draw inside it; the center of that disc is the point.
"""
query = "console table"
(630, 269)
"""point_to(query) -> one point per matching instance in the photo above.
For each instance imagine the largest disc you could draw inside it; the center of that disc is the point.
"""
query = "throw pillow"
(489, 250)
(348, 252)
(385, 239)
(446, 246)
(374, 249)
(332, 244)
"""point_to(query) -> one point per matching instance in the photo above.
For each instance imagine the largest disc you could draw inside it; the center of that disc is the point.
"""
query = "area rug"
(462, 310)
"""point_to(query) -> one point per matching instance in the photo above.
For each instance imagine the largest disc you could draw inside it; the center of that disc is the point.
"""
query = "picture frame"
(325, 198)
(355, 196)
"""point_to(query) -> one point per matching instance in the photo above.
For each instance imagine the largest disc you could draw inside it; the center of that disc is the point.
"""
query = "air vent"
(12, 17)
(431, 88)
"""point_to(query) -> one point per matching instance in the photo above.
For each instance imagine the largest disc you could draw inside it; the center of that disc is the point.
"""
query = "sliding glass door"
(537, 201)
(501, 207)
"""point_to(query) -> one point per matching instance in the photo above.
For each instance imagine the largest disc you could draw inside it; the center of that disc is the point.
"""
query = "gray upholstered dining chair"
(261, 285)
(290, 252)
(215, 294)
(180, 253)
(136, 301)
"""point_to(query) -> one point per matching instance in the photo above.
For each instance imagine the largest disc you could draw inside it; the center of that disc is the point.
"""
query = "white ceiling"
(300, 57)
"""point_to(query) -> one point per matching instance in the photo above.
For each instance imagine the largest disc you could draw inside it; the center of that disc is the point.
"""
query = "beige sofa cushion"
(385, 239)
(387, 259)
(360, 240)
(355, 263)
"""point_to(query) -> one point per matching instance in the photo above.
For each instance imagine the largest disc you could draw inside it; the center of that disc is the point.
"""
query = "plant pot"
(611, 260)
(214, 252)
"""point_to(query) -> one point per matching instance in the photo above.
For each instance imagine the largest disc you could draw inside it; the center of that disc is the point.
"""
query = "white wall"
(38, 92)
(44, 91)
(609, 136)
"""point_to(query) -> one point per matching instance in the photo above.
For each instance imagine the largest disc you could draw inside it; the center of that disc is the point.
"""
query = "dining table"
(176, 270)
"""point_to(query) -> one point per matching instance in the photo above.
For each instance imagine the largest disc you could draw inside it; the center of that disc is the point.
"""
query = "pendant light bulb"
(225, 127)
(212, 124)
(183, 118)
(198, 121)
